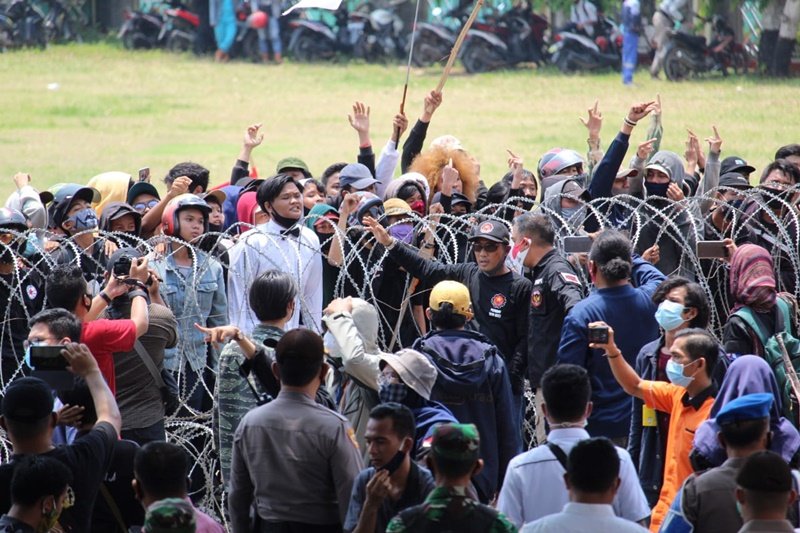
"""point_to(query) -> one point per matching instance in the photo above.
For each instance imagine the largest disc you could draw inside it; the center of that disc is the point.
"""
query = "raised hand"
(432, 102)
(399, 125)
(644, 149)
(638, 111)
(359, 120)
(348, 205)
(378, 231)
(179, 186)
(450, 176)
(515, 164)
(595, 121)
(714, 142)
(252, 137)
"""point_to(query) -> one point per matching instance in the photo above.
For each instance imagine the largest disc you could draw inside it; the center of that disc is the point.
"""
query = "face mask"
(676, 376)
(402, 232)
(656, 189)
(49, 519)
(517, 256)
(731, 208)
(583, 179)
(392, 392)
(669, 314)
(282, 221)
(569, 212)
(215, 228)
(84, 219)
(418, 207)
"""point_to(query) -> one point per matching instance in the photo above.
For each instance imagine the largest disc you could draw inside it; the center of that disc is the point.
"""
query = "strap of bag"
(559, 453)
(112, 505)
(149, 363)
(749, 318)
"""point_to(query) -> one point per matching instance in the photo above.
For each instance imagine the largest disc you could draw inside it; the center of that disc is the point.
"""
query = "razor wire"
(676, 225)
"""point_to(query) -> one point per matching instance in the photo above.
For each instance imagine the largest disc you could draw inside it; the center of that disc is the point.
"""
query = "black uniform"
(500, 304)
(556, 289)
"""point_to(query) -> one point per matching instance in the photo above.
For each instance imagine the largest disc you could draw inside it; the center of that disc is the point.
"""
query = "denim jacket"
(199, 298)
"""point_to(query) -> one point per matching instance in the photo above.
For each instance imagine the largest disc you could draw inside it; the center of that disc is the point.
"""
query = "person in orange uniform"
(688, 398)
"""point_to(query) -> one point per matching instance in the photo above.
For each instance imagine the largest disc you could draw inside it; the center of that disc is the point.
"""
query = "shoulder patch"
(570, 278)
(31, 291)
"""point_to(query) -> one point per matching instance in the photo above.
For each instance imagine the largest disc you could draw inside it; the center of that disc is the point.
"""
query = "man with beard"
(393, 482)
(282, 244)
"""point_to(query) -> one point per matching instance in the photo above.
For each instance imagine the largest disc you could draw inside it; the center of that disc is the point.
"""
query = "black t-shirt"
(88, 458)
(21, 297)
(118, 483)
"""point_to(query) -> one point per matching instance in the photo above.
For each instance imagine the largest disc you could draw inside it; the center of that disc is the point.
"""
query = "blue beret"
(747, 407)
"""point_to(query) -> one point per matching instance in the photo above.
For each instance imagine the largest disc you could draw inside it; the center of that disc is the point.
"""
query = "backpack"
(782, 352)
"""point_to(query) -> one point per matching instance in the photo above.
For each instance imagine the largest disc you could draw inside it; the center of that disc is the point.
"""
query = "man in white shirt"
(533, 485)
(583, 16)
(592, 479)
(282, 244)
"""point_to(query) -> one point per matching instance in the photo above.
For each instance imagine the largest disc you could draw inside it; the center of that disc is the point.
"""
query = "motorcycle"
(21, 24)
(688, 55)
(573, 52)
(514, 37)
(433, 41)
(141, 30)
(180, 27)
(382, 36)
(62, 22)
(245, 45)
(316, 41)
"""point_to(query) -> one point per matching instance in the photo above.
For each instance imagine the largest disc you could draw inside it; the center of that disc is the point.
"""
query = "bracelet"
(138, 292)
(629, 122)
(609, 356)
(106, 298)
(391, 244)
(428, 245)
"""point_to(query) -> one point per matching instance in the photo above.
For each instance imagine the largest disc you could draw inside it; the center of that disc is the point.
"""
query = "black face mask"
(413, 400)
(282, 221)
(214, 228)
(325, 241)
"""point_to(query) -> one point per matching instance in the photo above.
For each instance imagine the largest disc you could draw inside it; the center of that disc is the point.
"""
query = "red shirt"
(104, 338)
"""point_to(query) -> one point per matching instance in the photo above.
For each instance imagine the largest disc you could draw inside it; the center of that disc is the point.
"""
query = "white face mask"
(515, 260)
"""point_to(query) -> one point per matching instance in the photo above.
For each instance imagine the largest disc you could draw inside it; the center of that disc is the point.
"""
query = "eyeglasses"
(27, 343)
(141, 206)
(489, 247)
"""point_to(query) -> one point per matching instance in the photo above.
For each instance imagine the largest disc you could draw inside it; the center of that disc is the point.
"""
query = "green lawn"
(120, 110)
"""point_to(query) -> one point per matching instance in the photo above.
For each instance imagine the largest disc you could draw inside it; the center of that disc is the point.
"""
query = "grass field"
(119, 110)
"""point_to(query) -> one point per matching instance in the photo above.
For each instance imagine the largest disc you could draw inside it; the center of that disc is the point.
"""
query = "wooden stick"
(457, 45)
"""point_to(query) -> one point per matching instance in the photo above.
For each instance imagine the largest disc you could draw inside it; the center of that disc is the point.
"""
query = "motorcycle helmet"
(13, 220)
(169, 218)
(556, 160)
(258, 20)
(368, 204)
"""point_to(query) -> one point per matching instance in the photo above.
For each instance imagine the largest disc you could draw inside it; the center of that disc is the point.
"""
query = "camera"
(598, 335)
(122, 268)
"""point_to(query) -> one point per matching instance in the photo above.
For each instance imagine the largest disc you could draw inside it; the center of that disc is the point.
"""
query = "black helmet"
(13, 220)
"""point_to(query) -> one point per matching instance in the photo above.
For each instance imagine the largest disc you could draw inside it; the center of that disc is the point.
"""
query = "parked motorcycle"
(316, 41)
(180, 27)
(21, 24)
(382, 36)
(514, 37)
(141, 30)
(576, 52)
(687, 55)
(62, 22)
(433, 41)
(245, 45)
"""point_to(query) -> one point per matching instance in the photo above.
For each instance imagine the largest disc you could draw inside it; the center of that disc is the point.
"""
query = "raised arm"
(624, 373)
(83, 364)
(416, 138)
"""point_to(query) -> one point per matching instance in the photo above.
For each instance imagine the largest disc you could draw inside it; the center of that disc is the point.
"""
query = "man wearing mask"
(282, 244)
(124, 221)
(40, 491)
(394, 481)
(687, 398)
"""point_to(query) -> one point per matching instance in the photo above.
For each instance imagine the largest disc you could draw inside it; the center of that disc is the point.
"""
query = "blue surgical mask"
(402, 232)
(676, 376)
(656, 189)
(569, 212)
(27, 358)
(669, 315)
(84, 219)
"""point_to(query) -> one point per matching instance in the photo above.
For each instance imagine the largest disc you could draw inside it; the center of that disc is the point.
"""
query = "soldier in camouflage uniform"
(454, 460)
(172, 514)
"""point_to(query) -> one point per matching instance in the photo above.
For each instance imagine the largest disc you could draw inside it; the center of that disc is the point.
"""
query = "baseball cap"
(454, 293)
(414, 369)
(142, 187)
(456, 442)
(627, 173)
(396, 206)
(356, 176)
(448, 142)
(292, 162)
(735, 163)
(734, 180)
(216, 194)
(170, 515)
(27, 400)
(660, 168)
(747, 407)
(573, 189)
(491, 230)
(64, 197)
(458, 198)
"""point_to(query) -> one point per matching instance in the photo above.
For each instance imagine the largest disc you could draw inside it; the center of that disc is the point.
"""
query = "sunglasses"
(141, 206)
(489, 247)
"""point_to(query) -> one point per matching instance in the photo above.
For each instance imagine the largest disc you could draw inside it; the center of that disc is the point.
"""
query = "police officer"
(706, 502)
(556, 288)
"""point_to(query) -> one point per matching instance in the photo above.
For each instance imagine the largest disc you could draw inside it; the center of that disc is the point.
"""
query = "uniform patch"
(570, 278)
(31, 291)
(498, 301)
(486, 227)
(536, 298)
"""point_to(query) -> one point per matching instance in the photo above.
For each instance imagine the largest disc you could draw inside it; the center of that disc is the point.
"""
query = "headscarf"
(752, 279)
(246, 208)
(317, 212)
(113, 187)
(748, 374)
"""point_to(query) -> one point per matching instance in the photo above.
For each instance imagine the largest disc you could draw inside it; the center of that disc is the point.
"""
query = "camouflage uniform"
(172, 514)
(451, 508)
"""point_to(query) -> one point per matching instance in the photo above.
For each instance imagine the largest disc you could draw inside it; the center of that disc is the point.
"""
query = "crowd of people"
(587, 345)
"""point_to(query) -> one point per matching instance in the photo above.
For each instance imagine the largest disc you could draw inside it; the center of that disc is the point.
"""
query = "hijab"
(752, 279)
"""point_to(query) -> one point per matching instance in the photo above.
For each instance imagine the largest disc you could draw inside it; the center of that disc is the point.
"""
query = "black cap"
(735, 163)
(491, 230)
(27, 400)
(734, 180)
(458, 198)
(142, 187)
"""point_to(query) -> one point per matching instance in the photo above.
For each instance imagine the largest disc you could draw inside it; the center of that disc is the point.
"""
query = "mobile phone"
(579, 244)
(144, 174)
(598, 335)
(394, 463)
(48, 358)
(711, 249)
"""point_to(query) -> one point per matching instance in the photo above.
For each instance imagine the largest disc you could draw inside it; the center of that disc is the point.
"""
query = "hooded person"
(559, 164)
(415, 379)
(748, 374)
(564, 204)
(670, 226)
(322, 220)
(29, 202)
(413, 188)
(113, 187)
(431, 162)
(124, 221)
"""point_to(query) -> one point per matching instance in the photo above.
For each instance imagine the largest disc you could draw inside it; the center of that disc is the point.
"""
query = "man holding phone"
(394, 482)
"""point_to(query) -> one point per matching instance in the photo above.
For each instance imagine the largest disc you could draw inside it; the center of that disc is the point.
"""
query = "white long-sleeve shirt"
(265, 248)
(384, 169)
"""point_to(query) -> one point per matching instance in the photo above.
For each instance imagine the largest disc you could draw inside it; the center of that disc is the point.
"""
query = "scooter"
(141, 30)
(316, 41)
(62, 22)
(687, 55)
(180, 27)
(21, 24)
(382, 36)
(514, 37)
(433, 41)
(575, 52)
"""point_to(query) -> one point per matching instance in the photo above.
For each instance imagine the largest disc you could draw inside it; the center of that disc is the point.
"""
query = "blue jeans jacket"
(198, 296)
